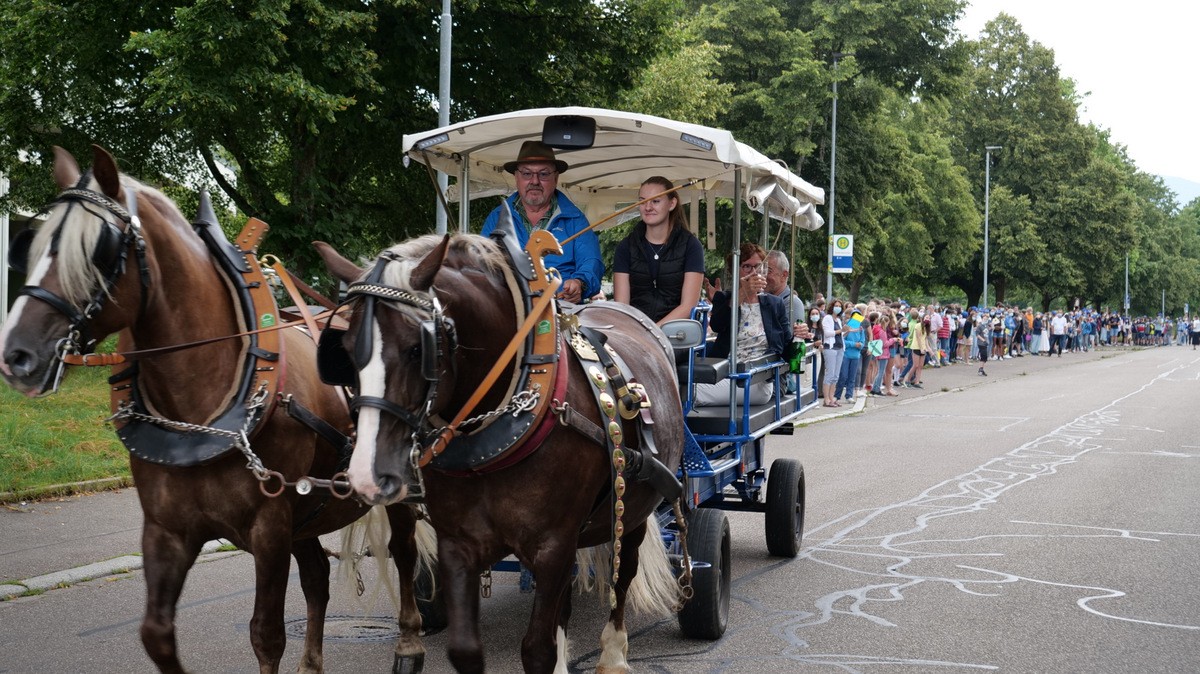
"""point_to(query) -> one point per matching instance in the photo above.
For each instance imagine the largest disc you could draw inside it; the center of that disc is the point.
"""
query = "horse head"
(413, 345)
(77, 289)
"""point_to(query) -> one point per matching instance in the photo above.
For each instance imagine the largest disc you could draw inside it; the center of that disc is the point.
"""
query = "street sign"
(843, 253)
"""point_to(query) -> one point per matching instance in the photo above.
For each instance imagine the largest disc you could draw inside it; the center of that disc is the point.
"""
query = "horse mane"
(78, 232)
(481, 251)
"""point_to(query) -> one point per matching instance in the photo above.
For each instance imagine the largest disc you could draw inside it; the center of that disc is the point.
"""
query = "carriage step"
(714, 468)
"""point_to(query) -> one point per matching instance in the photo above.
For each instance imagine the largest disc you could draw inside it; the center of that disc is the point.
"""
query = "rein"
(98, 359)
(285, 276)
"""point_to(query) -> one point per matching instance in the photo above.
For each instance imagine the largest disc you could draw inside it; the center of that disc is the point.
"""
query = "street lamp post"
(444, 38)
(832, 182)
(987, 196)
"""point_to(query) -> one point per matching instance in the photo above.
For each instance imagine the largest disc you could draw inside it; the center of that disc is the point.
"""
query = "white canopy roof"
(628, 148)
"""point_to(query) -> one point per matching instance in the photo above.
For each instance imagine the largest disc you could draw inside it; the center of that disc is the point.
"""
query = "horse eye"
(414, 354)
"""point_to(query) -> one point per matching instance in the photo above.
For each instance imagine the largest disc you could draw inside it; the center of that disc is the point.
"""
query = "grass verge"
(49, 444)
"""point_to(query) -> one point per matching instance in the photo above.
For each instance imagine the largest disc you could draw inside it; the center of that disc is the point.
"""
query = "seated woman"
(763, 329)
(659, 267)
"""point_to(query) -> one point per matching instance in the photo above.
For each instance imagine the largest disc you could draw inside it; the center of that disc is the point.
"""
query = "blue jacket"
(775, 323)
(854, 341)
(580, 258)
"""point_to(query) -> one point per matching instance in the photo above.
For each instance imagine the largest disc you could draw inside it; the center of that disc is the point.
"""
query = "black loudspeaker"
(569, 132)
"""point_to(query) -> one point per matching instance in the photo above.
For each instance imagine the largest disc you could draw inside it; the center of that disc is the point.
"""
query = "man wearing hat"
(537, 204)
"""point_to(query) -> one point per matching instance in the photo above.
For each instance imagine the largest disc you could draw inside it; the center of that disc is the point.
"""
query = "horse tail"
(426, 550)
(654, 590)
(367, 536)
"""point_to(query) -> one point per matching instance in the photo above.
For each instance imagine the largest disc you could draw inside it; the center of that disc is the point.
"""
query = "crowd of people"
(897, 341)
(876, 347)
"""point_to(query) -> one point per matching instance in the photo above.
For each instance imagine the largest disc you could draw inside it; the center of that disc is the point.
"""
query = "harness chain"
(241, 439)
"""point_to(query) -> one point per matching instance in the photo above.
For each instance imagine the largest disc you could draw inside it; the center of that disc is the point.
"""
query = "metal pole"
(735, 285)
(832, 188)
(4, 239)
(443, 180)
(1126, 283)
(987, 197)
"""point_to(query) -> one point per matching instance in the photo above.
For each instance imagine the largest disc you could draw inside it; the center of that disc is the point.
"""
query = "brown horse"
(542, 508)
(117, 256)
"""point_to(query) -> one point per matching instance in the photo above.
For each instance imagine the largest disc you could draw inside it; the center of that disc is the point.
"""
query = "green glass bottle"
(796, 352)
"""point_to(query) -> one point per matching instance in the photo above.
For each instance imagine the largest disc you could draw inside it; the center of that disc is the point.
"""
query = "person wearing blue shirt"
(538, 204)
(847, 382)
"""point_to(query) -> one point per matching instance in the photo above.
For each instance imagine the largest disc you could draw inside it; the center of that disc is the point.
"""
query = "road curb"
(109, 567)
(65, 489)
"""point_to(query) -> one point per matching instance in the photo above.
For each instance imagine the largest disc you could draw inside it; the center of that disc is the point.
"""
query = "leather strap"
(541, 314)
(285, 277)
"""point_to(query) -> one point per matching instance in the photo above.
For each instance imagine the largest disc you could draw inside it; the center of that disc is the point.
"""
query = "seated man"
(762, 327)
(538, 204)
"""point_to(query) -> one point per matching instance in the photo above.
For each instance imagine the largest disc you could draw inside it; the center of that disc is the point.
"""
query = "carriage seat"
(714, 420)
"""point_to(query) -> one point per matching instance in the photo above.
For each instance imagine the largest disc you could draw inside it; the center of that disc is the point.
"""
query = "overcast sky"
(1138, 60)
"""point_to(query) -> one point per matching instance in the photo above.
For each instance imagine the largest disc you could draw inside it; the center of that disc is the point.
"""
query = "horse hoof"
(409, 664)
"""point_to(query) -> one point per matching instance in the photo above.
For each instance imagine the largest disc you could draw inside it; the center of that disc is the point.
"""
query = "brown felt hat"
(535, 151)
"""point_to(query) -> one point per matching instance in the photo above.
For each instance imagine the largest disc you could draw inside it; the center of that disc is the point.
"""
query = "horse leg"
(167, 556)
(410, 652)
(458, 569)
(544, 648)
(271, 568)
(314, 580)
(614, 640)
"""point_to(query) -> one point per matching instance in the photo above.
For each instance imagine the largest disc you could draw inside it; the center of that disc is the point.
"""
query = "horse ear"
(104, 168)
(66, 169)
(422, 277)
(342, 269)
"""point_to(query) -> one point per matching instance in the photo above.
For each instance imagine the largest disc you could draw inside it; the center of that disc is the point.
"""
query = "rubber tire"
(431, 602)
(706, 614)
(784, 521)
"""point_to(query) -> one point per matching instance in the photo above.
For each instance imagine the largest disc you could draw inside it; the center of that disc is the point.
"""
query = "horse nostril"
(389, 486)
(20, 362)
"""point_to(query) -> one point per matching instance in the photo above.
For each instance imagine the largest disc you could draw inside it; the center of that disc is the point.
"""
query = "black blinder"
(109, 255)
(429, 350)
(333, 361)
(18, 251)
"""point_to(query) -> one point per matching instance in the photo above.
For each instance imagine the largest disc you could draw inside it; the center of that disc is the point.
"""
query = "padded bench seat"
(714, 419)
(705, 370)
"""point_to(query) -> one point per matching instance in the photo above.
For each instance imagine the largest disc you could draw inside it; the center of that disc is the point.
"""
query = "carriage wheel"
(431, 602)
(785, 508)
(706, 614)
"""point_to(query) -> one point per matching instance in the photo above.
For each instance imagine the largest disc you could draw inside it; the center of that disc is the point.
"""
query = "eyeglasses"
(752, 267)
(544, 174)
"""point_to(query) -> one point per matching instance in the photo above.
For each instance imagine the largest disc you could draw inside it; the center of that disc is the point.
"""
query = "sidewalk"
(70, 539)
(60, 541)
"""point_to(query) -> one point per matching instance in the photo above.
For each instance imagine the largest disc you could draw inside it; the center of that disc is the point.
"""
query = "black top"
(656, 285)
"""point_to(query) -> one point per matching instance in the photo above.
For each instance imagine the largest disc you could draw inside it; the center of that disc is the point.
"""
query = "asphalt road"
(1045, 519)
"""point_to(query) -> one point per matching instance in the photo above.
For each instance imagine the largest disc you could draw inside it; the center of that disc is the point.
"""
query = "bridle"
(340, 368)
(109, 257)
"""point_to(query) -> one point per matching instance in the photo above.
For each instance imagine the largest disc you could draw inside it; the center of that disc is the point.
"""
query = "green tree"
(305, 100)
